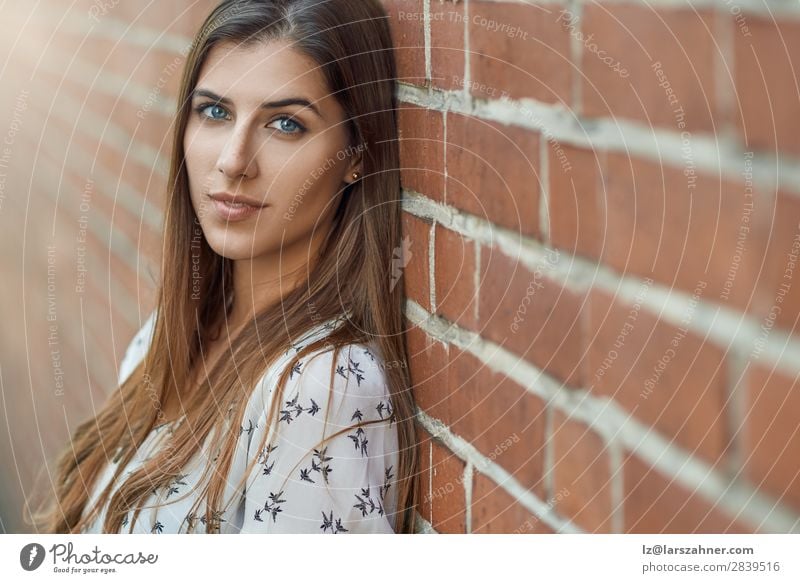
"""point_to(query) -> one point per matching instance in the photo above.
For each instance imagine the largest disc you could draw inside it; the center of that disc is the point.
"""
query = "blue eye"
(215, 112)
(215, 109)
(289, 126)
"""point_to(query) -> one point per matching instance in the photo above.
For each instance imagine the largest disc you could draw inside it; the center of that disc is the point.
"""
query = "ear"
(354, 167)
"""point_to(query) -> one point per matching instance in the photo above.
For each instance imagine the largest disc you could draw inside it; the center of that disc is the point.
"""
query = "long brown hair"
(355, 274)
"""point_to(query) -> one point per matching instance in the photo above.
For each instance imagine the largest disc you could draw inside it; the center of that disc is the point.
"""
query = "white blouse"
(346, 486)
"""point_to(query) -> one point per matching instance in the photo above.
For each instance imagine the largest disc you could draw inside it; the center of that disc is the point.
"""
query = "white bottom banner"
(485, 558)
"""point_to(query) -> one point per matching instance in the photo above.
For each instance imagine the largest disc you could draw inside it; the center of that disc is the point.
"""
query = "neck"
(262, 281)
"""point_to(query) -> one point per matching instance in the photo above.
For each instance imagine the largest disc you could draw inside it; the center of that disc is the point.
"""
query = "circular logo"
(31, 556)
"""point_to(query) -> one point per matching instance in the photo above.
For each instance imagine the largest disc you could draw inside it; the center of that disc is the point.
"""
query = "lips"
(235, 200)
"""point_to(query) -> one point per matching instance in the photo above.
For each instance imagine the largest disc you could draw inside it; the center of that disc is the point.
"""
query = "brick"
(582, 470)
(406, 19)
(447, 44)
(416, 273)
(492, 172)
(421, 135)
(637, 38)
(494, 511)
(500, 418)
(777, 230)
(151, 129)
(518, 50)
(531, 314)
(765, 64)
(770, 434)
(448, 499)
(427, 361)
(577, 214)
(456, 296)
(175, 18)
(665, 376)
(648, 495)
(663, 225)
(424, 445)
(154, 69)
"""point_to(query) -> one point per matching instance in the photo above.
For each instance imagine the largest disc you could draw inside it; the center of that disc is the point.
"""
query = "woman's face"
(264, 129)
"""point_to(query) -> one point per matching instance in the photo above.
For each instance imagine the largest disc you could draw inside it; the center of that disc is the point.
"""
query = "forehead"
(259, 72)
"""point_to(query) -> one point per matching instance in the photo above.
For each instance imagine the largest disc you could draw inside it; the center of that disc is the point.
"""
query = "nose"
(237, 158)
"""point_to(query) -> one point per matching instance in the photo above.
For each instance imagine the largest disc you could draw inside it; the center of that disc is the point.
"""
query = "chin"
(232, 246)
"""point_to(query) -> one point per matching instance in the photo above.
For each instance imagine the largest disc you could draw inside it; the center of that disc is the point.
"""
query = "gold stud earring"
(356, 175)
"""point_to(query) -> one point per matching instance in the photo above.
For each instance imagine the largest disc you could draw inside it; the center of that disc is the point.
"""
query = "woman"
(268, 391)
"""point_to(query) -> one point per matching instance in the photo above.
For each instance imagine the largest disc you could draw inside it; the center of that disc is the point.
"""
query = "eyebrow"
(266, 105)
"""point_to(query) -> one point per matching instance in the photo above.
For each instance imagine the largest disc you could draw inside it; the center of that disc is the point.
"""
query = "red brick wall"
(601, 271)
(87, 92)
(604, 220)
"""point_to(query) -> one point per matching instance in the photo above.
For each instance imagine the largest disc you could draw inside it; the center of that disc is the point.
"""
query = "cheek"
(306, 183)
(199, 159)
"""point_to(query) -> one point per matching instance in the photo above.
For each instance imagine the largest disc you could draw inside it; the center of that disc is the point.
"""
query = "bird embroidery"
(322, 466)
(191, 520)
(388, 476)
(263, 456)
(360, 441)
(295, 369)
(293, 406)
(172, 487)
(273, 508)
(327, 522)
(216, 519)
(366, 504)
(352, 367)
(355, 367)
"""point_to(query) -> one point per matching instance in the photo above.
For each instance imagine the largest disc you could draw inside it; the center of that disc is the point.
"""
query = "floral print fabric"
(298, 484)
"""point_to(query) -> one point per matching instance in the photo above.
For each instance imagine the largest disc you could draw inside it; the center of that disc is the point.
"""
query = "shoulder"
(347, 380)
(351, 372)
(137, 348)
